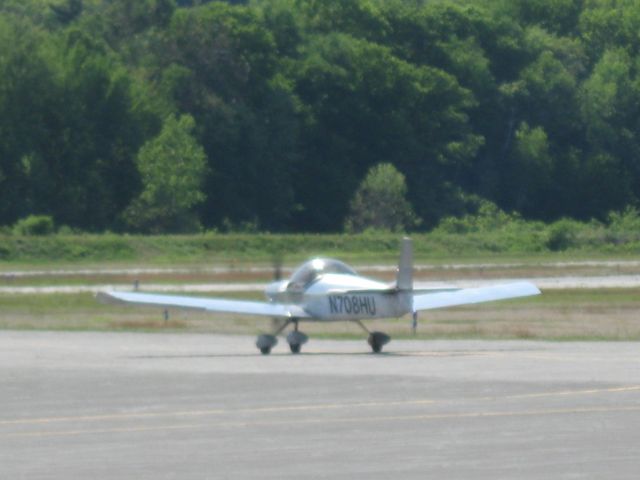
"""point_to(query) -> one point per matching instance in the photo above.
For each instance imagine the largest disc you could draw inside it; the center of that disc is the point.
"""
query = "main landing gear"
(376, 340)
(295, 339)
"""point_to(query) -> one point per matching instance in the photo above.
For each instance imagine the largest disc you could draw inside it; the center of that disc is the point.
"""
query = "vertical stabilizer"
(405, 267)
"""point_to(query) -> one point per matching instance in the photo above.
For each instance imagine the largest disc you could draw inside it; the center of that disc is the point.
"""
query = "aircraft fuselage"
(334, 297)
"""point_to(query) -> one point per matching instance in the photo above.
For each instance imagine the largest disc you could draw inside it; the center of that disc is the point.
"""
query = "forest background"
(162, 116)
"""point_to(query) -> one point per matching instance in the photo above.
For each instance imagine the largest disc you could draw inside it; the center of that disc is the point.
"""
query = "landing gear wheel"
(377, 340)
(296, 339)
(265, 343)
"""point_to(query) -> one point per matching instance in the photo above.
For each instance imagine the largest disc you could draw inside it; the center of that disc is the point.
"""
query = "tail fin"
(404, 279)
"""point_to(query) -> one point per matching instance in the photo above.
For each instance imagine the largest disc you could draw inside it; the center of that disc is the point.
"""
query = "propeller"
(277, 260)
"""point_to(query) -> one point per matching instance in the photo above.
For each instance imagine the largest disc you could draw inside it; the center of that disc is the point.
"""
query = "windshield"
(311, 270)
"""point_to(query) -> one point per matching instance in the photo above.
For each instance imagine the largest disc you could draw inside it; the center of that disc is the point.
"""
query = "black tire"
(265, 350)
(377, 340)
(295, 347)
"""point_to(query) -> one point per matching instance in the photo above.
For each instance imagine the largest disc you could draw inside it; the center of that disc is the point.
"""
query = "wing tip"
(107, 298)
(530, 288)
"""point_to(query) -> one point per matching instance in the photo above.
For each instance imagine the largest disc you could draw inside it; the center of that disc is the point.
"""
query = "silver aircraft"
(325, 290)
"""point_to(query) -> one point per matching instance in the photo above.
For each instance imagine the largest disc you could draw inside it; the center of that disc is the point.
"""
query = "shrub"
(626, 222)
(380, 203)
(562, 235)
(487, 218)
(34, 225)
(66, 230)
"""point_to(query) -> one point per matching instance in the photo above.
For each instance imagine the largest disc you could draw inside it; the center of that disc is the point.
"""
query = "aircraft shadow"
(306, 354)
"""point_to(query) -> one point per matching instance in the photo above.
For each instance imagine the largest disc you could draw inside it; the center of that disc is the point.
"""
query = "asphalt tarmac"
(162, 406)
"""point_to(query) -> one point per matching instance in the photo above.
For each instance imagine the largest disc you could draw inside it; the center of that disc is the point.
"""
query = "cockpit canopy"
(308, 272)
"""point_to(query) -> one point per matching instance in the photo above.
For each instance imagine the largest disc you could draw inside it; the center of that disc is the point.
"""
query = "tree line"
(170, 116)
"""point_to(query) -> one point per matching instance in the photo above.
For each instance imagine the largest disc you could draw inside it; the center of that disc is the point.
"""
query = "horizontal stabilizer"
(466, 296)
(208, 304)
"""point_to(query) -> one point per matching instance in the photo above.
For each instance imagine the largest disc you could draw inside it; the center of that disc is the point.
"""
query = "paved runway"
(160, 406)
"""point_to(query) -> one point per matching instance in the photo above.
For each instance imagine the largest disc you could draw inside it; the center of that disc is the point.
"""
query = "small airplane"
(326, 290)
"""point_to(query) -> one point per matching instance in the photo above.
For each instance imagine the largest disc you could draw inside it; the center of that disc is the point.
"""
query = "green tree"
(172, 167)
(531, 170)
(225, 61)
(610, 108)
(367, 106)
(558, 16)
(610, 24)
(69, 129)
(532, 104)
(102, 126)
(380, 203)
(28, 93)
(66, 11)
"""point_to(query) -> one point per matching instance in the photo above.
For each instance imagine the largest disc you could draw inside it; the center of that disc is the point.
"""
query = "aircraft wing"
(207, 304)
(464, 296)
